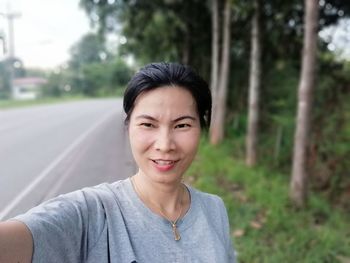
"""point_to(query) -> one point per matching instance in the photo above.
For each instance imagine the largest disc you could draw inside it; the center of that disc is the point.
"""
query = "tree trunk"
(214, 83)
(214, 48)
(219, 109)
(186, 51)
(254, 89)
(299, 180)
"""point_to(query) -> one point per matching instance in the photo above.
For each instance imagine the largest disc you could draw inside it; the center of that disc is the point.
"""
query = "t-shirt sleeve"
(59, 229)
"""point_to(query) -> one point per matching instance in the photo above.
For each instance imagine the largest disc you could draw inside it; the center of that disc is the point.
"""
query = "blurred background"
(278, 150)
(53, 45)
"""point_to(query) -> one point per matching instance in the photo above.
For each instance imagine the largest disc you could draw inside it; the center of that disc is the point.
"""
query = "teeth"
(161, 162)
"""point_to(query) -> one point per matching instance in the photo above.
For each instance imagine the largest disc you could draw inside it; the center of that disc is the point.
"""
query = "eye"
(146, 125)
(182, 126)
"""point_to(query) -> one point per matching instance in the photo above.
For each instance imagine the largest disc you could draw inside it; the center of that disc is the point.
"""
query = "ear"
(126, 129)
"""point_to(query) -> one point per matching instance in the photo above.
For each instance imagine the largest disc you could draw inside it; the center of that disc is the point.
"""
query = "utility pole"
(3, 40)
(11, 16)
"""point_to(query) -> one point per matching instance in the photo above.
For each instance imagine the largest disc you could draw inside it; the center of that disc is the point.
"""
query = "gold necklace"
(177, 236)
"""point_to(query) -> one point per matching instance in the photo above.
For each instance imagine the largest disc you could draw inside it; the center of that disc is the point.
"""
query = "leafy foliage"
(265, 227)
(9, 68)
(180, 30)
(89, 49)
(91, 71)
(174, 30)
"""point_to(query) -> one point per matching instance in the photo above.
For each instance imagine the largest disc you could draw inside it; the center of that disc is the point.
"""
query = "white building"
(28, 88)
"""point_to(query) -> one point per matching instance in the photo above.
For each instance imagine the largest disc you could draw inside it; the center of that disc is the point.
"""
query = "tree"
(177, 30)
(5, 87)
(11, 67)
(220, 88)
(89, 49)
(254, 88)
(92, 71)
(157, 30)
(214, 47)
(298, 187)
(105, 78)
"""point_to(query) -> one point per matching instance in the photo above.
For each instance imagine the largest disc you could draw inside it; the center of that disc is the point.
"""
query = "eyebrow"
(148, 117)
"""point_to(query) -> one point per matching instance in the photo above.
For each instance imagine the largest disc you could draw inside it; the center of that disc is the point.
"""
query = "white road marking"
(52, 165)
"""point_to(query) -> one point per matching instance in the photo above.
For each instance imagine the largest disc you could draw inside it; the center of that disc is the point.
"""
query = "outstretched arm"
(16, 243)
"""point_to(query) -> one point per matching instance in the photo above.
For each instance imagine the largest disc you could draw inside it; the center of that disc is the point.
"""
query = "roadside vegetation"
(10, 104)
(92, 71)
(265, 226)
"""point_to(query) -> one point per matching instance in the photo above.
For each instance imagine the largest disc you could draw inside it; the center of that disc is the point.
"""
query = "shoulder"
(72, 217)
(207, 199)
(211, 205)
(100, 193)
(77, 206)
(94, 201)
(92, 194)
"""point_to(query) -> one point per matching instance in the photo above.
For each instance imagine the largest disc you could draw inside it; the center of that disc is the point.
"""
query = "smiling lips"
(164, 165)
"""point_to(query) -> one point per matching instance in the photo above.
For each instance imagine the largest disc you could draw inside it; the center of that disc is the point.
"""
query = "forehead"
(169, 99)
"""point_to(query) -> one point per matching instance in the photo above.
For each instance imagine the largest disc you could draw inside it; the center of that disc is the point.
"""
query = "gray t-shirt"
(109, 223)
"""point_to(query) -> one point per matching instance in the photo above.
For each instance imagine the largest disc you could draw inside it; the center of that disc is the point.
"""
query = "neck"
(169, 198)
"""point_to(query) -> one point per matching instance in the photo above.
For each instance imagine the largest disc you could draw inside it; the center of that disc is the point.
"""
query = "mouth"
(164, 165)
(163, 162)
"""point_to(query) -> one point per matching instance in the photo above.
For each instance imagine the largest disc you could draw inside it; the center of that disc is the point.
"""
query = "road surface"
(54, 149)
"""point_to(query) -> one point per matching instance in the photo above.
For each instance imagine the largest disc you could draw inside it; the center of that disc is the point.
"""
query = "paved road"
(54, 149)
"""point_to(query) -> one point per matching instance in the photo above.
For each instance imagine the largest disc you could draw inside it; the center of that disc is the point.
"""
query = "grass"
(265, 226)
(9, 104)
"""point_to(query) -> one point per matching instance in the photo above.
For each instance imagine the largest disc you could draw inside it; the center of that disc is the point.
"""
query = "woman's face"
(164, 132)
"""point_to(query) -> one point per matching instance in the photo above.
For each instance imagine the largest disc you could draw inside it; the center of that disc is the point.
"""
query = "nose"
(164, 141)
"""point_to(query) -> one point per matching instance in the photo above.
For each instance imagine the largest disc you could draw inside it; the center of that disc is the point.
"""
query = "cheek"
(190, 142)
(139, 140)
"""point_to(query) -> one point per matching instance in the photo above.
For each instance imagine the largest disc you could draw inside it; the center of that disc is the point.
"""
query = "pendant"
(176, 232)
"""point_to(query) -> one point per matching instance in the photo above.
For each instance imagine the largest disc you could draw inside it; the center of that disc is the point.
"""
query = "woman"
(150, 217)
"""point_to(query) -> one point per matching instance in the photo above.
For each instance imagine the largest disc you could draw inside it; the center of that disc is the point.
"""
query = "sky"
(45, 30)
(338, 37)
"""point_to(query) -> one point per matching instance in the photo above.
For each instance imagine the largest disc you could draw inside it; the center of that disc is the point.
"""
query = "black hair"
(156, 75)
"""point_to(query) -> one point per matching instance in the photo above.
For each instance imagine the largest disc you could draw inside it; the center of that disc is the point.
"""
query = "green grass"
(9, 104)
(265, 226)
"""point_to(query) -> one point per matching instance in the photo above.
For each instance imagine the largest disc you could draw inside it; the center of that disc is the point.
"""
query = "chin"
(163, 177)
